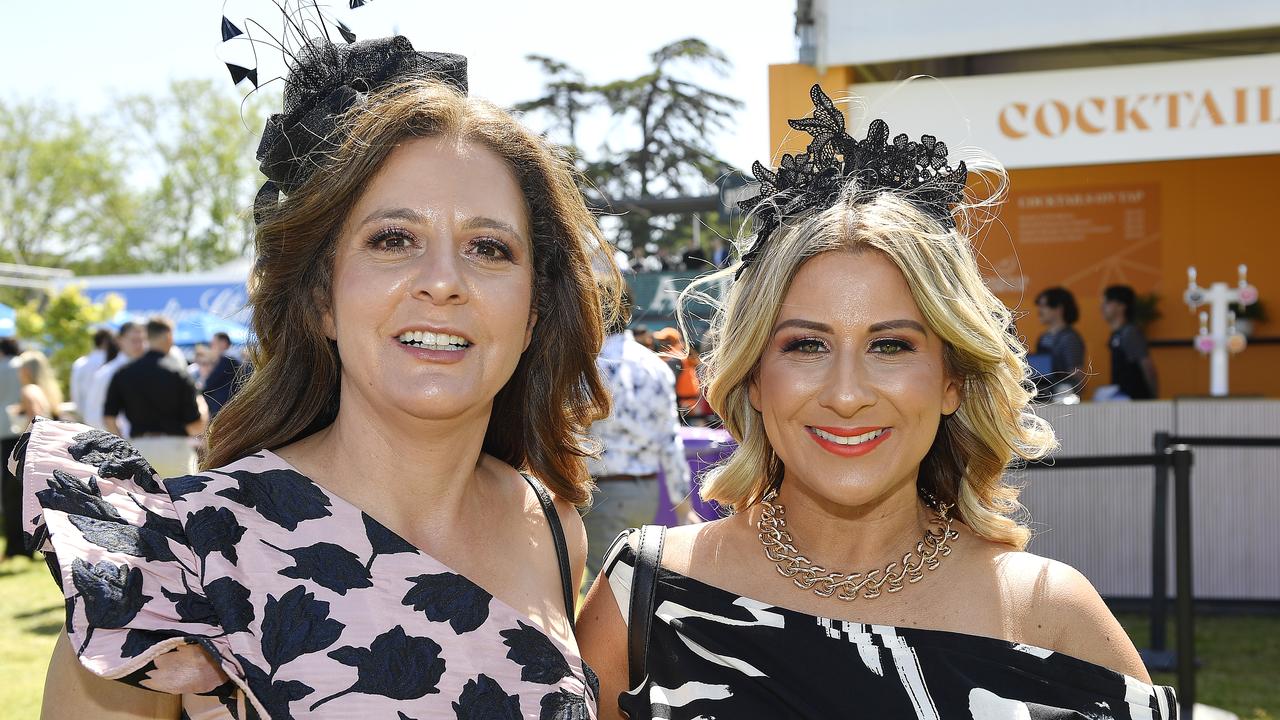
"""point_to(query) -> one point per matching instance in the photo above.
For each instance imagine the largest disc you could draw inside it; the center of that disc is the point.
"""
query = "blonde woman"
(871, 566)
(41, 396)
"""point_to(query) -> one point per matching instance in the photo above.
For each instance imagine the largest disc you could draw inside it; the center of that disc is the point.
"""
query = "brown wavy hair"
(545, 408)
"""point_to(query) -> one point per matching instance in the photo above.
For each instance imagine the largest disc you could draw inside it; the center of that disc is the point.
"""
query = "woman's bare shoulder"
(1056, 607)
(687, 544)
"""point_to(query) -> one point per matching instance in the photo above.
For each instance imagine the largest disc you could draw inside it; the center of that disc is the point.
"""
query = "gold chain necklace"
(826, 583)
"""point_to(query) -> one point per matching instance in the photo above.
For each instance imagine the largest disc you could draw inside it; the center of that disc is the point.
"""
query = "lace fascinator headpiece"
(814, 179)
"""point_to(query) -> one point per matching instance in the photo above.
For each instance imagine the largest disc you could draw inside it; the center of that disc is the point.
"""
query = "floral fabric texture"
(253, 593)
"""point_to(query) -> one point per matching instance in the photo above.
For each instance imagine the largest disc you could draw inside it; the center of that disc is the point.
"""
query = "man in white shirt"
(640, 438)
(133, 345)
(82, 370)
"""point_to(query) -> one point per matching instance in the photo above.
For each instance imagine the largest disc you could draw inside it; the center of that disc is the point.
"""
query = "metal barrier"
(1163, 442)
(1178, 456)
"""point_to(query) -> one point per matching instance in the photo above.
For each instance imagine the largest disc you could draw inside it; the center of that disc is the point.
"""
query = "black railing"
(1172, 453)
(1179, 458)
(1182, 540)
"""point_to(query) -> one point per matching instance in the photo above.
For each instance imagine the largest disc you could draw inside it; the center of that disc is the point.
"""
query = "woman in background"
(1060, 342)
(41, 396)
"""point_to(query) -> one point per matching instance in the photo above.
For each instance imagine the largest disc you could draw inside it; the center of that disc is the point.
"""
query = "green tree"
(566, 98)
(62, 325)
(198, 142)
(163, 183)
(63, 193)
(662, 146)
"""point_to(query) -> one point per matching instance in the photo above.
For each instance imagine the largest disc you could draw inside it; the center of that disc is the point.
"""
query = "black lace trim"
(814, 178)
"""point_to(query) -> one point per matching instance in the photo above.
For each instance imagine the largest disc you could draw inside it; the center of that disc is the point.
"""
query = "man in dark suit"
(164, 408)
(225, 378)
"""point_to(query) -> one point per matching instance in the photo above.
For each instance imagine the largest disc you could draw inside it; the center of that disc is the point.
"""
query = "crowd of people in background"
(1058, 358)
(27, 389)
(638, 440)
(693, 257)
(135, 383)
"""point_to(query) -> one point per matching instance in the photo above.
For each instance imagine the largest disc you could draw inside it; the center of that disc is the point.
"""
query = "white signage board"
(852, 33)
(1132, 113)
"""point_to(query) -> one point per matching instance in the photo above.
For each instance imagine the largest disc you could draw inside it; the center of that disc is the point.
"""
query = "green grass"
(31, 615)
(1240, 655)
(1240, 662)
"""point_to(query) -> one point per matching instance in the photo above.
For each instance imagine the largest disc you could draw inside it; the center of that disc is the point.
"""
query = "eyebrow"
(485, 223)
(802, 324)
(902, 324)
(417, 216)
(400, 213)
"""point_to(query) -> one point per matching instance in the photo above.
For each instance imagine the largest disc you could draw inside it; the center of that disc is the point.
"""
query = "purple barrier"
(703, 447)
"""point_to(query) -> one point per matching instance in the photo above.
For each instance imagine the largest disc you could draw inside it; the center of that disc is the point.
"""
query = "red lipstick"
(848, 450)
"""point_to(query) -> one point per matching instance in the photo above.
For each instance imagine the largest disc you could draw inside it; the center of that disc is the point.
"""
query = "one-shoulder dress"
(253, 593)
(715, 654)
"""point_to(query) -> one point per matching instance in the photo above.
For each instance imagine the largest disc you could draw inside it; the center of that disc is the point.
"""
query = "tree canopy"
(663, 123)
(159, 183)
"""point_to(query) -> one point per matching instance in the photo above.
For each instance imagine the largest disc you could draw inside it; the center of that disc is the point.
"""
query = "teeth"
(433, 341)
(855, 440)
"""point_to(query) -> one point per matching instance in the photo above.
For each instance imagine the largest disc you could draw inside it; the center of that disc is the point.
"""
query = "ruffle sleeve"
(136, 609)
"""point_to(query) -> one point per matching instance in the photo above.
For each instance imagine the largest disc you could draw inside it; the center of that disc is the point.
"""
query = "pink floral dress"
(254, 593)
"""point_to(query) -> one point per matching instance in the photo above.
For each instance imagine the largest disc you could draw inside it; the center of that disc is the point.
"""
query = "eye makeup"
(492, 248)
(383, 240)
(804, 345)
(891, 346)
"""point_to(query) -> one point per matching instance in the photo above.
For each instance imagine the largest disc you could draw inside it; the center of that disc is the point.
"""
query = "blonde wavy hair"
(994, 424)
(39, 373)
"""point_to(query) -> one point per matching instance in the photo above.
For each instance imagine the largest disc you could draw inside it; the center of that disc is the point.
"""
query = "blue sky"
(86, 52)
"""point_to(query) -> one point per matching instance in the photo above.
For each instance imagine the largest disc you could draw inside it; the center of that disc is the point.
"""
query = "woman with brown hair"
(873, 564)
(372, 533)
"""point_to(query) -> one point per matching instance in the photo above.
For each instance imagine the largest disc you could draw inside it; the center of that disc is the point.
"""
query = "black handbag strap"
(644, 591)
(562, 547)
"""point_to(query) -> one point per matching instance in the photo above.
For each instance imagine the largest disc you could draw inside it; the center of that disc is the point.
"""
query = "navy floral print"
(253, 593)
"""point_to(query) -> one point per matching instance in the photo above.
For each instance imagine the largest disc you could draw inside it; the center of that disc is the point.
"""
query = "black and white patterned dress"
(716, 655)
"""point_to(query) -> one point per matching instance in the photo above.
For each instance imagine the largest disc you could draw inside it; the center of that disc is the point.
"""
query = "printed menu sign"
(1080, 238)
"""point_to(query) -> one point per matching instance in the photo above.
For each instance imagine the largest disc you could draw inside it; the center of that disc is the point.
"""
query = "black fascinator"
(813, 179)
(325, 80)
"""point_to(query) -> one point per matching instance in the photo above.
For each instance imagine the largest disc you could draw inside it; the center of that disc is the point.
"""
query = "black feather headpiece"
(325, 80)
(812, 180)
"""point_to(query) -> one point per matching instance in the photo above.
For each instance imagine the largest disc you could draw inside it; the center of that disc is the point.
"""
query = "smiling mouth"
(433, 341)
(851, 440)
